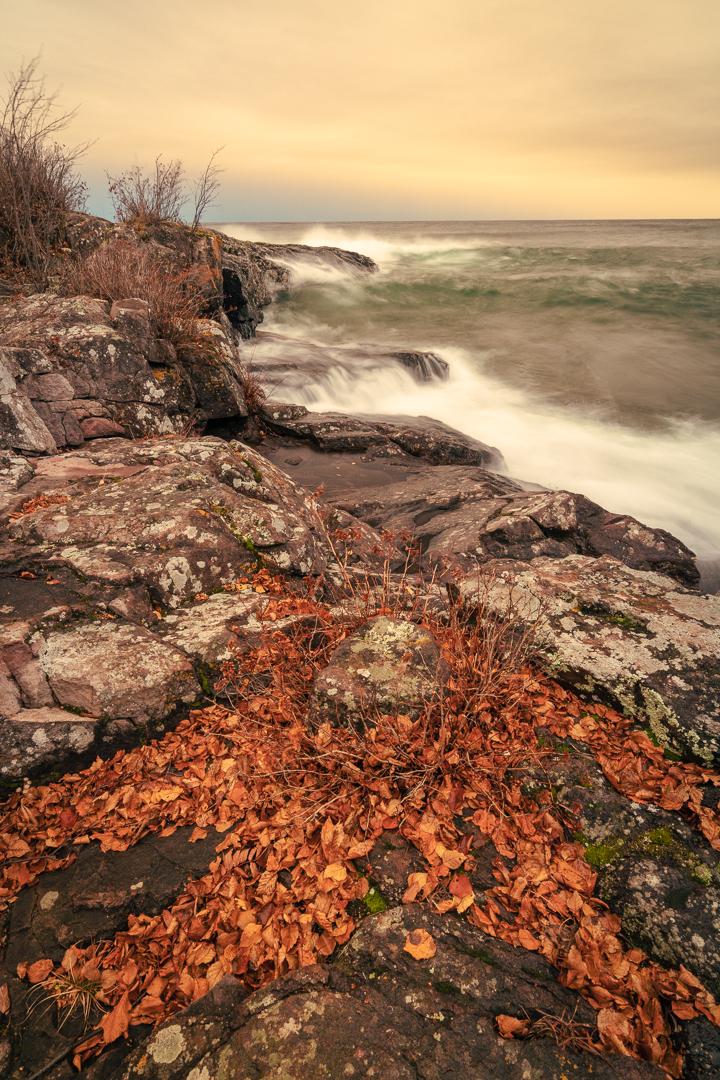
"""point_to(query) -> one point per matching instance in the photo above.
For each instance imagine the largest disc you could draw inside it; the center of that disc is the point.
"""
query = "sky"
(395, 109)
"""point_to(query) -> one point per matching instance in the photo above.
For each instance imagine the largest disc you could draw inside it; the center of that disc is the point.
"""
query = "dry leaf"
(420, 945)
(510, 1027)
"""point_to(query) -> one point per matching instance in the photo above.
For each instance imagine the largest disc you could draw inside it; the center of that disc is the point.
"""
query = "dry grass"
(124, 269)
(38, 180)
(151, 198)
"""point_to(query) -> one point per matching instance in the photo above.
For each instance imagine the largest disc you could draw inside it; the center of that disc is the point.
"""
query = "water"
(588, 352)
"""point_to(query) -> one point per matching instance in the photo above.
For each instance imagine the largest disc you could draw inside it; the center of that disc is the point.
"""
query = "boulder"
(468, 516)
(635, 639)
(389, 665)
(83, 369)
(376, 1011)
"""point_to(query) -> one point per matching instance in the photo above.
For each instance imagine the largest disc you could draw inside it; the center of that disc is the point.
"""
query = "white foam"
(667, 479)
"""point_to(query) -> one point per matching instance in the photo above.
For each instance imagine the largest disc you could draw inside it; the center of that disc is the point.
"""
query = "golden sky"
(331, 110)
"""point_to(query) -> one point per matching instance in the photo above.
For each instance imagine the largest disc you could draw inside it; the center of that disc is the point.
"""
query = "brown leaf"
(39, 970)
(510, 1027)
(116, 1022)
(420, 945)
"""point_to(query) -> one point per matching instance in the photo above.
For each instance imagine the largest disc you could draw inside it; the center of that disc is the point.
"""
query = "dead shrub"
(150, 198)
(39, 184)
(124, 269)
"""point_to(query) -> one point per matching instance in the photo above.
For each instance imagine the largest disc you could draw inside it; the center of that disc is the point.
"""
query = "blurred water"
(589, 352)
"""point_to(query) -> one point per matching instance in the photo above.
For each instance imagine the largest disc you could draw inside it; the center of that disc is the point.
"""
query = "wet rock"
(88, 901)
(468, 516)
(636, 639)
(387, 666)
(381, 437)
(376, 1011)
(36, 741)
(424, 366)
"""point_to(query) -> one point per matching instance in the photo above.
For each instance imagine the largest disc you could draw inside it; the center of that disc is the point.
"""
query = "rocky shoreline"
(142, 488)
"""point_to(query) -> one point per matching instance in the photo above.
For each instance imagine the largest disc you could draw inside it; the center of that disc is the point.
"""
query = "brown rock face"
(387, 666)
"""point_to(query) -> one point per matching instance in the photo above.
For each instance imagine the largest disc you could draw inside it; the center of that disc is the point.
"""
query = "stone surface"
(381, 437)
(468, 516)
(386, 666)
(635, 639)
(377, 1012)
(655, 871)
(88, 901)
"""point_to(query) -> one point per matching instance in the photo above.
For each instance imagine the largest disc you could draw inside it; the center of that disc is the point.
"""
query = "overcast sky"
(400, 109)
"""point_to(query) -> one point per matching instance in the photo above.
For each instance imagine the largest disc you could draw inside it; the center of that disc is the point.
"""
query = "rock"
(115, 672)
(424, 366)
(375, 1011)
(88, 901)
(36, 741)
(387, 666)
(103, 579)
(655, 871)
(379, 437)
(635, 639)
(179, 516)
(84, 369)
(468, 516)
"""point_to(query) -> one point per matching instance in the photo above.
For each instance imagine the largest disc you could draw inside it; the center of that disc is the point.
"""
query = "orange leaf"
(336, 871)
(4, 998)
(420, 945)
(39, 970)
(510, 1027)
(116, 1022)
(527, 940)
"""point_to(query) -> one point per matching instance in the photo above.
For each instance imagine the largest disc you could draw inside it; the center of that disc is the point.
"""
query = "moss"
(374, 901)
(478, 954)
(257, 475)
(661, 844)
(445, 987)
(614, 618)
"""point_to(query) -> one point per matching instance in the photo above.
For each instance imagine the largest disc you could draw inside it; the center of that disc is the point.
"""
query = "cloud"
(401, 107)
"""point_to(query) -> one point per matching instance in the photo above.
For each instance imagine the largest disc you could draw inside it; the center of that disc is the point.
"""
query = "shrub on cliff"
(148, 198)
(125, 268)
(38, 180)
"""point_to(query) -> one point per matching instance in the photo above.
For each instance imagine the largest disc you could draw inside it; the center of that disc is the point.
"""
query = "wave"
(667, 479)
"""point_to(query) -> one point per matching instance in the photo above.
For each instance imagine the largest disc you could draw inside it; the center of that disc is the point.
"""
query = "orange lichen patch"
(301, 805)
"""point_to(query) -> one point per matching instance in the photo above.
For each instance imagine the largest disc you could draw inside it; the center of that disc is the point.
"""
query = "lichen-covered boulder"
(635, 639)
(387, 666)
(181, 517)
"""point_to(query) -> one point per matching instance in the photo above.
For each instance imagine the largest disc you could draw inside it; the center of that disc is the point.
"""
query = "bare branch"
(207, 187)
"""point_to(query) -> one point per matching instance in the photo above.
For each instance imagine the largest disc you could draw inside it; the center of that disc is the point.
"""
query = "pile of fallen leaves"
(300, 808)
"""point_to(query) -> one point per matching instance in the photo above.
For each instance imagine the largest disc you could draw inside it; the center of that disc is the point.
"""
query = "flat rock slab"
(386, 666)
(35, 739)
(635, 639)
(378, 1012)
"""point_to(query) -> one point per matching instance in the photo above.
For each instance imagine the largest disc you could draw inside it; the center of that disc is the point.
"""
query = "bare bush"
(38, 179)
(206, 188)
(124, 269)
(150, 198)
(146, 198)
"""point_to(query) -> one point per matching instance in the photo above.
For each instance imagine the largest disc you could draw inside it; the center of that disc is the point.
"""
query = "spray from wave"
(587, 352)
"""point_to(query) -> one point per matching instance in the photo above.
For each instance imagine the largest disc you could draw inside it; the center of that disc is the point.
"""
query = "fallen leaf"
(510, 1027)
(420, 945)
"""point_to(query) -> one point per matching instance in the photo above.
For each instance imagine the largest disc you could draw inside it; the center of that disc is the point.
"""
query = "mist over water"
(588, 352)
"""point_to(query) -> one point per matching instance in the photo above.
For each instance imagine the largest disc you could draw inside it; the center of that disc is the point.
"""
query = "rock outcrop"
(376, 1011)
(110, 557)
(83, 369)
(632, 638)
